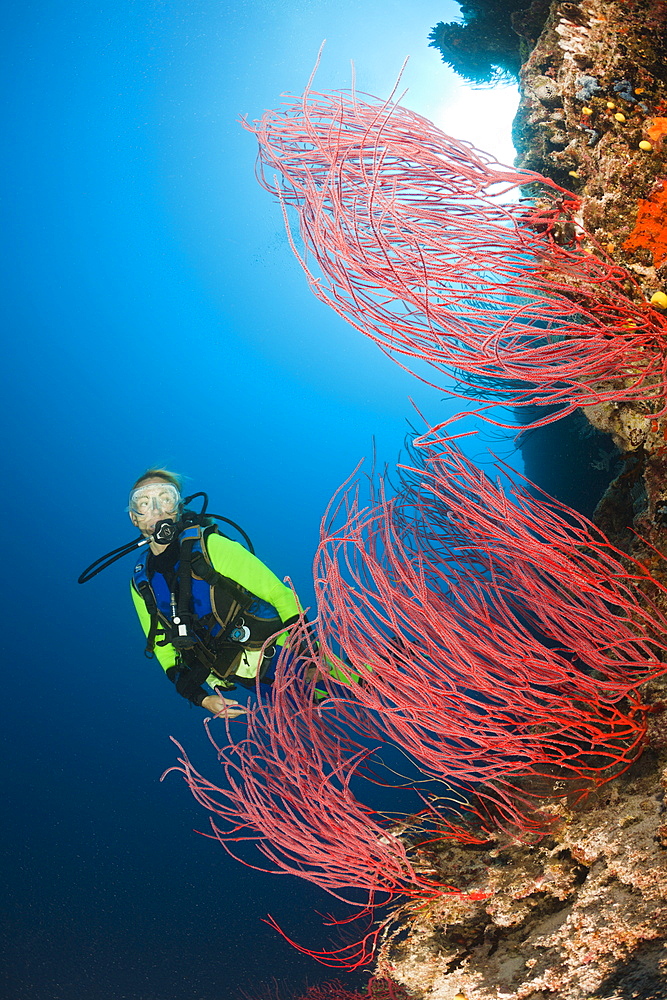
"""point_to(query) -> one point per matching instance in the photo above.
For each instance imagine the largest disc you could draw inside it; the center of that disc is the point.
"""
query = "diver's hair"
(169, 477)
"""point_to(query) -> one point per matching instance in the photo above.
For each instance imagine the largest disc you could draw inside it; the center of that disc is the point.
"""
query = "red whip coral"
(286, 789)
(505, 637)
(421, 247)
(294, 801)
(495, 636)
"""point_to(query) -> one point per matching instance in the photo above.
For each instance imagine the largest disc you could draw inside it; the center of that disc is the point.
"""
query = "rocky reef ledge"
(580, 914)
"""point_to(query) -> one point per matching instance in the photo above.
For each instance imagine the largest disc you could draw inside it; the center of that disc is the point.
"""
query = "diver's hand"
(222, 706)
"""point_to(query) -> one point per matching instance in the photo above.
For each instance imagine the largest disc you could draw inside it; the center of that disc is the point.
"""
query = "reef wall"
(593, 116)
(583, 913)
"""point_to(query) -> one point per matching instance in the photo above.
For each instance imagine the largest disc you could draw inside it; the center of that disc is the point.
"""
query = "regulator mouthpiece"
(165, 531)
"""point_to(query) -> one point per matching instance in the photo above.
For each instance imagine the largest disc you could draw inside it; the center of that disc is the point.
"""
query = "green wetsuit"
(231, 560)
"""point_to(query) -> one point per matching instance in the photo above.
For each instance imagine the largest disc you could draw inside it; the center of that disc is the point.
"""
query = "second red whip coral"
(502, 636)
(500, 641)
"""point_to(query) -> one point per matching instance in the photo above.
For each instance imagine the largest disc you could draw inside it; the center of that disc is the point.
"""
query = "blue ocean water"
(153, 314)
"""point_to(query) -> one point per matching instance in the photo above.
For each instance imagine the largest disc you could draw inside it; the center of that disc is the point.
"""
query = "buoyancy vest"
(209, 618)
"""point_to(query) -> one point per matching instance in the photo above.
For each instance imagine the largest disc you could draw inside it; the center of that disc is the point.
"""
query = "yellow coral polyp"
(587, 111)
(645, 145)
(610, 105)
(659, 299)
(620, 117)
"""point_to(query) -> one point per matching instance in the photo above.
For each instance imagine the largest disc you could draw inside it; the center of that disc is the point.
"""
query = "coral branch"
(287, 789)
(503, 640)
(492, 634)
(421, 247)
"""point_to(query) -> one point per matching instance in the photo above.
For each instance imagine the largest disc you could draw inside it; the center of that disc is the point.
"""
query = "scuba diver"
(207, 604)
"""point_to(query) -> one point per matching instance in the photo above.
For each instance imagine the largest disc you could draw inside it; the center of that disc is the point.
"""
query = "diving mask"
(154, 498)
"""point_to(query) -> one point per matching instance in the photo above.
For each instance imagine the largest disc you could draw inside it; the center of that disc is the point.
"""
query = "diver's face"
(154, 500)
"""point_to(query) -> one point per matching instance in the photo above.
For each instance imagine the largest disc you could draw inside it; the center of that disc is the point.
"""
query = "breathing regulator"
(164, 532)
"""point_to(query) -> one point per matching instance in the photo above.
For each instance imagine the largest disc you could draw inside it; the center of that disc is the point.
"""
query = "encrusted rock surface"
(580, 914)
(593, 116)
(597, 78)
